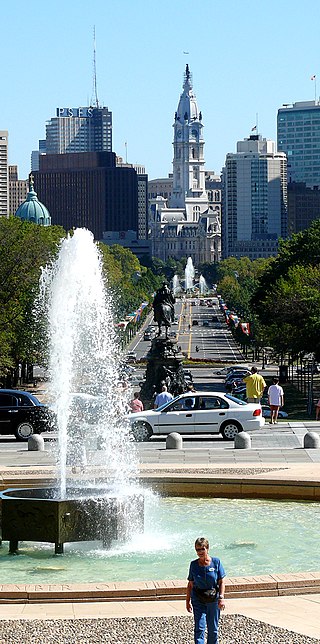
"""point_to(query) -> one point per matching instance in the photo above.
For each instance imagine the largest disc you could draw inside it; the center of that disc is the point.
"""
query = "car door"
(211, 412)
(178, 417)
(9, 411)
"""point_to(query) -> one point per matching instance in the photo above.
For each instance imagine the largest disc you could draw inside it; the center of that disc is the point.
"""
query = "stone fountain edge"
(243, 486)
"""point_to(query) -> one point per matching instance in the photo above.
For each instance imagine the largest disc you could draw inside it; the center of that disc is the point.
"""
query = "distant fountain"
(203, 286)
(189, 275)
(90, 410)
(176, 286)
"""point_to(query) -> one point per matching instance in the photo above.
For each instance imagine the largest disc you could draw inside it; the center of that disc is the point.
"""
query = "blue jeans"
(205, 615)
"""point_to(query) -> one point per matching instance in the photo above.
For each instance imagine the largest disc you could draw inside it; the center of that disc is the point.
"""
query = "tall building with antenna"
(78, 129)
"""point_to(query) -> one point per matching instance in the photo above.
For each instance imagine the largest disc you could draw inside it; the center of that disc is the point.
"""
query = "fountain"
(176, 286)
(90, 409)
(189, 275)
(203, 286)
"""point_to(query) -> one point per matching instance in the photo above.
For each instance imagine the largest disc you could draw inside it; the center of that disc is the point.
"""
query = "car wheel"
(230, 429)
(141, 431)
(23, 431)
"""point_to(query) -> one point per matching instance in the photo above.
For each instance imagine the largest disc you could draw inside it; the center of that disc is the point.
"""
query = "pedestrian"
(318, 409)
(275, 400)
(255, 385)
(163, 397)
(197, 348)
(136, 404)
(205, 593)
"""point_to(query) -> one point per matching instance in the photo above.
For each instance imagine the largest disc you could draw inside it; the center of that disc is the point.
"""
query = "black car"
(22, 414)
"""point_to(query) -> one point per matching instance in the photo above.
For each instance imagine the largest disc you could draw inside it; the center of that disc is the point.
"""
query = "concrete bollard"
(311, 440)
(242, 441)
(35, 443)
(174, 441)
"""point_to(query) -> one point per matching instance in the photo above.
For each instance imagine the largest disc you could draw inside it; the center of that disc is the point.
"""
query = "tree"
(24, 248)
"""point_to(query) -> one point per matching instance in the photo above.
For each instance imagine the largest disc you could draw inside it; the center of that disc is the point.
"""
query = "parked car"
(210, 413)
(266, 413)
(195, 322)
(236, 375)
(22, 414)
(222, 371)
(131, 356)
(205, 323)
(234, 383)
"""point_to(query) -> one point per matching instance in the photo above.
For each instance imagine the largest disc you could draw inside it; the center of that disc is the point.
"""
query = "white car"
(200, 413)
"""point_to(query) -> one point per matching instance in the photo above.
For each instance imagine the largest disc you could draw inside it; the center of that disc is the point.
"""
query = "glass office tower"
(298, 128)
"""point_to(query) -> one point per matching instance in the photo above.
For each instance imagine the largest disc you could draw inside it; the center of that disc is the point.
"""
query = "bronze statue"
(163, 308)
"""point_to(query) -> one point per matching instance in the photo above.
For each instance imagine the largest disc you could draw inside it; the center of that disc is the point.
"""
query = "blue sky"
(246, 57)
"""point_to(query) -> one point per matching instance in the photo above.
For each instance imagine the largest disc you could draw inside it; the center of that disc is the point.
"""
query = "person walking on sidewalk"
(255, 385)
(163, 397)
(205, 593)
(275, 400)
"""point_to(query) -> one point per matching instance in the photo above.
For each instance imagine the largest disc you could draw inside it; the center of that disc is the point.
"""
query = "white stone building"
(186, 224)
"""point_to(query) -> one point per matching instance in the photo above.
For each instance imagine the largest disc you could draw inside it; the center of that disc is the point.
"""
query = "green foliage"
(209, 272)
(287, 298)
(24, 248)
(165, 270)
(238, 280)
(130, 282)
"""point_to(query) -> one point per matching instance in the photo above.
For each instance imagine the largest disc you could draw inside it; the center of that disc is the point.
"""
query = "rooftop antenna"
(94, 97)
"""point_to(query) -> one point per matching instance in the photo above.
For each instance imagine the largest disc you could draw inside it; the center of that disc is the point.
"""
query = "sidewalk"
(299, 613)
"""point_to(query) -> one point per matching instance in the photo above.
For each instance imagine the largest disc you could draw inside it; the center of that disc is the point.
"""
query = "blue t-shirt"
(206, 576)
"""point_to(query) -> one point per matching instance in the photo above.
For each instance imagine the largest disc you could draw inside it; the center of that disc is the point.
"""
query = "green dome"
(33, 210)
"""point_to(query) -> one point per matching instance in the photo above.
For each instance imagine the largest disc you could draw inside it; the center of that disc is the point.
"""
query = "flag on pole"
(313, 77)
(253, 128)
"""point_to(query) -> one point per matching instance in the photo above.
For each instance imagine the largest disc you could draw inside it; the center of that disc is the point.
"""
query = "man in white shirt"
(275, 400)
(163, 397)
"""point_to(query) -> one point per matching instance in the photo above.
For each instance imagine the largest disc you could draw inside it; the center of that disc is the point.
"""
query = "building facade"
(254, 199)
(303, 206)
(18, 189)
(160, 188)
(88, 190)
(298, 133)
(4, 174)
(79, 129)
(185, 223)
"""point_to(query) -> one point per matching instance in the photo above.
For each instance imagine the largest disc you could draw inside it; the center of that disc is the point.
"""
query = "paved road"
(198, 326)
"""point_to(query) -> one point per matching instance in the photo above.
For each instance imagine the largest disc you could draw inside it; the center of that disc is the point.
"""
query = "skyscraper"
(255, 199)
(298, 134)
(79, 129)
(4, 175)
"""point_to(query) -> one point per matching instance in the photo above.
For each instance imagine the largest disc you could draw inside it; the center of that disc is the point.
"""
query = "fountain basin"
(38, 514)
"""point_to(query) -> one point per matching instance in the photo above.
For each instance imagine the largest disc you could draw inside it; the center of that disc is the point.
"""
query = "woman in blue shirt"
(205, 573)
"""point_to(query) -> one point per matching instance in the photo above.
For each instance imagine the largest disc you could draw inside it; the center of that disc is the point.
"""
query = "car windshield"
(236, 400)
(166, 404)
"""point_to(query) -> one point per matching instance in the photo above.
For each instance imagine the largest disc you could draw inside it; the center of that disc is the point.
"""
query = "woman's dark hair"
(202, 542)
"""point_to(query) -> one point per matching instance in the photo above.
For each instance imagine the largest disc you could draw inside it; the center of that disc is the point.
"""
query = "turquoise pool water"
(251, 537)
